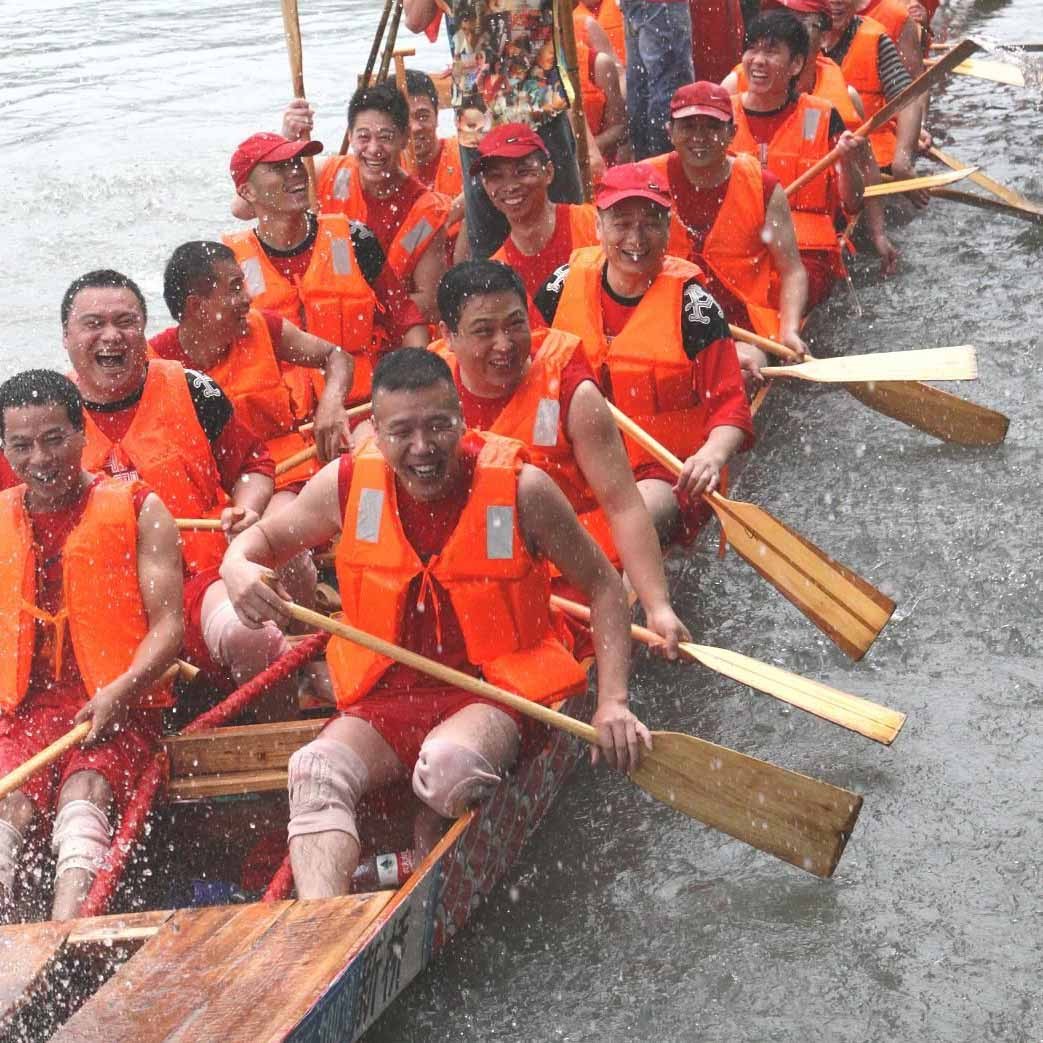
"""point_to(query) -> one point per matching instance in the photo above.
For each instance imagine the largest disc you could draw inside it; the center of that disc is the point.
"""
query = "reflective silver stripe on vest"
(421, 232)
(545, 428)
(499, 533)
(341, 256)
(811, 117)
(367, 523)
(253, 275)
(342, 183)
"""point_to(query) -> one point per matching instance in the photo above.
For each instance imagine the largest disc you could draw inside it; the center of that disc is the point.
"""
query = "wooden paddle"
(849, 711)
(914, 184)
(934, 412)
(292, 29)
(49, 754)
(1008, 195)
(963, 50)
(371, 61)
(954, 195)
(988, 69)
(844, 606)
(400, 82)
(796, 818)
(954, 363)
(569, 71)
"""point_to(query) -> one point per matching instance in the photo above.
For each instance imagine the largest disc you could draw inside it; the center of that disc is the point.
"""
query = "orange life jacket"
(332, 300)
(449, 173)
(252, 377)
(734, 249)
(644, 369)
(168, 449)
(861, 72)
(593, 95)
(583, 231)
(499, 592)
(102, 604)
(797, 145)
(610, 18)
(339, 191)
(891, 14)
(829, 84)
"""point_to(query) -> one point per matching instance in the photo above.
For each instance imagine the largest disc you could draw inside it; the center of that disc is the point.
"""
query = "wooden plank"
(27, 951)
(227, 973)
(234, 783)
(117, 929)
(243, 748)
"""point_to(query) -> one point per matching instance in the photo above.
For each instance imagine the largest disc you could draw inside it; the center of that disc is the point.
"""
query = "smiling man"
(176, 430)
(444, 540)
(539, 388)
(90, 619)
(324, 273)
(659, 344)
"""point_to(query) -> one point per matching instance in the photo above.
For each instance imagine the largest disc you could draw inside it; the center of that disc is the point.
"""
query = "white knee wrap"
(242, 651)
(11, 842)
(449, 778)
(326, 781)
(81, 837)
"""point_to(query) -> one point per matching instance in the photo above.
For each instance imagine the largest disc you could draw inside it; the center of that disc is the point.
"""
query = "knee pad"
(11, 843)
(326, 781)
(449, 778)
(242, 651)
(81, 837)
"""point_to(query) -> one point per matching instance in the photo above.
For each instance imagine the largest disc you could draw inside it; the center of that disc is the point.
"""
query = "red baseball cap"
(508, 141)
(630, 180)
(702, 98)
(802, 6)
(267, 148)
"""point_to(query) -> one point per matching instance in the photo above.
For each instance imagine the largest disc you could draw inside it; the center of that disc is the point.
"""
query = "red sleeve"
(273, 320)
(399, 310)
(8, 479)
(573, 374)
(769, 181)
(165, 345)
(344, 473)
(717, 380)
(238, 451)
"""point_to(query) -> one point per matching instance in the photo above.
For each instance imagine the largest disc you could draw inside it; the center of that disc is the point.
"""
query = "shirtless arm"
(606, 76)
(418, 14)
(160, 583)
(426, 275)
(849, 172)
(551, 529)
(731, 82)
(602, 459)
(781, 240)
(305, 349)
(310, 520)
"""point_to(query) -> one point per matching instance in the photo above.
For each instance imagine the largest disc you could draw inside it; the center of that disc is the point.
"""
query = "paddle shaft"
(49, 754)
(389, 44)
(1001, 191)
(400, 82)
(375, 49)
(567, 33)
(294, 48)
(919, 86)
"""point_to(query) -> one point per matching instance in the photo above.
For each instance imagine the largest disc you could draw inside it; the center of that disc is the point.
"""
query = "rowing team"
(489, 471)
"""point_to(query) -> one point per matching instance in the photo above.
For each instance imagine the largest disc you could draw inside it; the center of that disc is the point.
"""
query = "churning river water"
(624, 920)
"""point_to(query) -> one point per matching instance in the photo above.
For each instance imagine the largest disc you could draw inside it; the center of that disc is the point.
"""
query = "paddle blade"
(989, 69)
(954, 363)
(948, 417)
(849, 711)
(838, 601)
(796, 818)
(914, 184)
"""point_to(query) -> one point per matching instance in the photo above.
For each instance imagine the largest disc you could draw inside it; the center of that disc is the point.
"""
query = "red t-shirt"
(51, 530)
(697, 209)
(428, 526)
(427, 172)
(165, 345)
(8, 478)
(535, 270)
(384, 217)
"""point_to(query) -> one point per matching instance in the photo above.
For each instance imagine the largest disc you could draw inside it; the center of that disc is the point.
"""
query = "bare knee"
(16, 809)
(86, 785)
(244, 652)
(449, 777)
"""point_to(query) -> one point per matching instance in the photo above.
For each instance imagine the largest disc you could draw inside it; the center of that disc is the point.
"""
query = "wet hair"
(779, 26)
(41, 387)
(475, 279)
(470, 101)
(410, 369)
(420, 85)
(384, 97)
(101, 278)
(190, 270)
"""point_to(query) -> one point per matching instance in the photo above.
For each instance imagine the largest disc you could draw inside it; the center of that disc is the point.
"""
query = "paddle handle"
(567, 32)
(441, 672)
(919, 86)
(295, 50)
(400, 82)
(198, 524)
(582, 613)
(355, 411)
(371, 61)
(14, 780)
(772, 347)
(298, 458)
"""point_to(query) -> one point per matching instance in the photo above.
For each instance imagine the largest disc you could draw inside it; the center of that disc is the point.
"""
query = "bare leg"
(72, 884)
(16, 816)
(323, 860)
(662, 506)
(298, 576)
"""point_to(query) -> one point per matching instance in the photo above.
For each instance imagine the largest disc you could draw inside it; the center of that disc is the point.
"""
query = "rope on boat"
(282, 883)
(105, 883)
(278, 671)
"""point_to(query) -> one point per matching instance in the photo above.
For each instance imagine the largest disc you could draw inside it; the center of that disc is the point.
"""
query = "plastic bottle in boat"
(382, 872)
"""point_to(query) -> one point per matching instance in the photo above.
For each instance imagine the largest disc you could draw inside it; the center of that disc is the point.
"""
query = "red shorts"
(821, 268)
(194, 647)
(404, 718)
(119, 760)
(694, 511)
